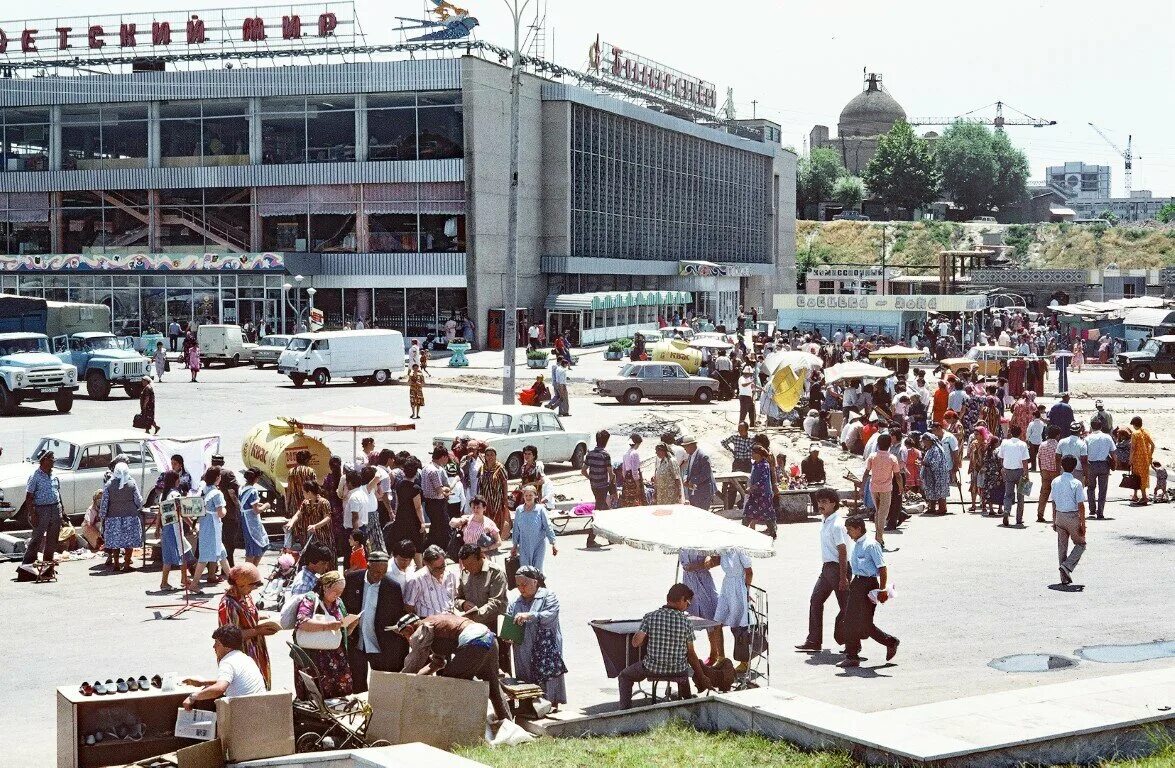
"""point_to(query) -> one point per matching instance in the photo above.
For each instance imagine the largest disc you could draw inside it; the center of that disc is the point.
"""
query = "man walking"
(1050, 468)
(434, 487)
(869, 573)
(668, 640)
(698, 476)
(834, 574)
(1035, 434)
(43, 501)
(1099, 445)
(1069, 498)
(1061, 414)
(173, 334)
(1106, 418)
(1013, 455)
(597, 468)
(559, 385)
(1074, 445)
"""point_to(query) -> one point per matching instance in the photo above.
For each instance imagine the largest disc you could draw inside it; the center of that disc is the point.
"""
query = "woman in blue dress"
(759, 507)
(252, 507)
(538, 658)
(733, 604)
(210, 544)
(531, 531)
(122, 526)
(695, 574)
(177, 553)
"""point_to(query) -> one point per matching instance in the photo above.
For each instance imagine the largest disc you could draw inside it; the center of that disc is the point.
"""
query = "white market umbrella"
(856, 370)
(898, 351)
(670, 528)
(795, 359)
(353, 419)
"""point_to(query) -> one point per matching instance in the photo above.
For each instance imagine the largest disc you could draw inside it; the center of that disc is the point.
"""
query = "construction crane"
(999, 121)
(1128, 155)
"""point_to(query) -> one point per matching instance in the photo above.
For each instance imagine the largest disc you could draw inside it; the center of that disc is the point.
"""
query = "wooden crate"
(78, 715)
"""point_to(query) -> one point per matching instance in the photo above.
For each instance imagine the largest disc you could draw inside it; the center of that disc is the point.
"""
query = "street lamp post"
(297, 310)
(510, 326)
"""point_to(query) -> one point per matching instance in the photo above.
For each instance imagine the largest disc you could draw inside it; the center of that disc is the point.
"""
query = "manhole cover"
(1032, 662)
(1123, 654)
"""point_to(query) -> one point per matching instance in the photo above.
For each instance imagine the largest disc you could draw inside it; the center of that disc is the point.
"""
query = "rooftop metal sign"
(613, 63)
(165, 33)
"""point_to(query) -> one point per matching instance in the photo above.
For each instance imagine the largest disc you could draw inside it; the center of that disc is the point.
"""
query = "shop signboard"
(888, 303)
(611, 62)
(270, 261)
(152, 34)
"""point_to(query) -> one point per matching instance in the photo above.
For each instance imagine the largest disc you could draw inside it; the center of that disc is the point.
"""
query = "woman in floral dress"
(322, 611)
(759, 508)
(666, 477)
(415, 391)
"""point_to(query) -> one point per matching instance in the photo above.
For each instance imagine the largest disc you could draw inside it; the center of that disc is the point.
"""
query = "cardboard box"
(442, 712)
(256, 727)
(207, 755)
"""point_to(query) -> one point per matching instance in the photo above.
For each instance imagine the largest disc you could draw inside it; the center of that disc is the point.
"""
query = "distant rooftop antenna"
(538, 32)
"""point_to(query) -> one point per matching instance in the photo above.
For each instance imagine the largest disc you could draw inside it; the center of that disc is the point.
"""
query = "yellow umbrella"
(788, 387)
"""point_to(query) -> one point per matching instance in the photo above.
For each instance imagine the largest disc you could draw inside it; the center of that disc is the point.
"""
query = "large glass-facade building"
(201, 195)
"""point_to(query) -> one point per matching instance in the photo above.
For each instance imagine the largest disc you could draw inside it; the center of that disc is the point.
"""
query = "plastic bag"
(509, 734)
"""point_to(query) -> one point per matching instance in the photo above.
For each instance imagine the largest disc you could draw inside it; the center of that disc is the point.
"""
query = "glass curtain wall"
(319, 129)
(420, 126)
(24, 145)
(24, 223)
(203, 133)
(100, 137)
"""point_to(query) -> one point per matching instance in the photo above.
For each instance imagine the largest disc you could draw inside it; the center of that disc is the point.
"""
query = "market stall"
(596, 318)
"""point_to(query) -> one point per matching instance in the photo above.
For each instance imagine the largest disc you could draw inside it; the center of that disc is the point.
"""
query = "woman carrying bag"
(322, 631)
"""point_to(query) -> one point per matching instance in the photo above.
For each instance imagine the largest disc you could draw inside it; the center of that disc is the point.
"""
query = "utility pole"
(510, 326)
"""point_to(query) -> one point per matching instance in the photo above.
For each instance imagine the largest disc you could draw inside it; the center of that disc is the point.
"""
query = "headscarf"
(532, 573)
(1030, 396)
(121, 473)
(329, 579)
(244, 575)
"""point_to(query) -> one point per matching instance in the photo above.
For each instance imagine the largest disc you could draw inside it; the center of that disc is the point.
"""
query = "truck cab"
(29, 373)
(103, 362)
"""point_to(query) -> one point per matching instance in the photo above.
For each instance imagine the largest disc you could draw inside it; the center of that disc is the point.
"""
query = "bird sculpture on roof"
(452, 23)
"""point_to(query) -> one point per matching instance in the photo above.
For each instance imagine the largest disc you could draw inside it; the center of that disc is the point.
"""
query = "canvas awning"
(1058, 210)
(855, 370)
(353, 419)
(578, 302)
(671, 528)
(1149, 318)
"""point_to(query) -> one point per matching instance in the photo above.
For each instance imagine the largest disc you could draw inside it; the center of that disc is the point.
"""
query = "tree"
(902, 173)
(816, 175)
(1167, 213)
(849, 191)
(981, 170)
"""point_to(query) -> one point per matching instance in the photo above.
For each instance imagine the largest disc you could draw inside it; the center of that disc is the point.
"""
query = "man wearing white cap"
(1106, 418)
(746, 396)
(698, 476)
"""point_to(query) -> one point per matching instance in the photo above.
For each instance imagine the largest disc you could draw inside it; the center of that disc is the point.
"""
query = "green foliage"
(1166, 214)
(849, 191)
(1109, 216)
(537, 354)
(981, 170)
(944, 233)
(620, 345)
(1020, 237)
(902, 173)
(1134, 233)
(1098, 229)
(812, 255)
(816, 175)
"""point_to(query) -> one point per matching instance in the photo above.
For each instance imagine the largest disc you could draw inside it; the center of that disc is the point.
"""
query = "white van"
(223, 344)
(368, 357)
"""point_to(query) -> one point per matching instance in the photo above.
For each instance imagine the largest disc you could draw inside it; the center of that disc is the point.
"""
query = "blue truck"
(79, 335)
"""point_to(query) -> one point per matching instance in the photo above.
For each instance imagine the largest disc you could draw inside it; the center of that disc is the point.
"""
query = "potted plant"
(615, 351)
(537, 358)
(459, 346)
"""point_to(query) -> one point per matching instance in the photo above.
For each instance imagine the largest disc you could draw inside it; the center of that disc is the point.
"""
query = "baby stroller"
(272, 594)
(328, 725)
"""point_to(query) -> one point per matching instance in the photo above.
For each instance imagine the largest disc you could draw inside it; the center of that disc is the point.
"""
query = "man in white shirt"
(1013, 456)
(236, 673)
(1075, 446)
(532, 335)
(834, 573)
(1034, 435)
(402, 568)
(432, 589)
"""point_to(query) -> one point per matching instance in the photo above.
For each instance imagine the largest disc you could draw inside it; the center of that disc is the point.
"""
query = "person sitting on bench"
(668, 639)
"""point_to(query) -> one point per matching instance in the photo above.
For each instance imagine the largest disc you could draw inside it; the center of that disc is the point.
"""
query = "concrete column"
(153, 219)
(56, 222)
(360, 127)
(255, 131)
(154, 149)
(254, 222)
(55, 137)
(362, 224)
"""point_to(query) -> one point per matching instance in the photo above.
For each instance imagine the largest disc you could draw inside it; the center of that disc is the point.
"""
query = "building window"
(24, 223)
(25, 139)
(316, 130)
(104, 137)
(827, 287)
(408, 126)
(195, 133)
(1128, 290)
(217, 218)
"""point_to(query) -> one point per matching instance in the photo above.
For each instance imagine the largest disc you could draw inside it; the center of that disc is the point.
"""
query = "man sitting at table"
(668, 639)
(236, 673)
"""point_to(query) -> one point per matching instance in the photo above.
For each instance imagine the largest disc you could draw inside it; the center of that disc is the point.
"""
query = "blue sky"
(1075, 62)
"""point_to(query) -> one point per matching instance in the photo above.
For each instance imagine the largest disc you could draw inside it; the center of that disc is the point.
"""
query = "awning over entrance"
(576, 302)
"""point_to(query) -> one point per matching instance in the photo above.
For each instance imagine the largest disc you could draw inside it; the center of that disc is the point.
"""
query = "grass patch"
(677, 744)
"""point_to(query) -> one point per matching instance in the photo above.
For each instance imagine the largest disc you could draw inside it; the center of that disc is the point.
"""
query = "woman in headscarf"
(992, 413)
(237, 608)
(177, 553)
(976, 455)
(493, 486)
(538, 659)
(1142, 452)
(993, 479)
(210, 544)
(1023, 411)
(759, 505)
(252, 508)
(322, 610)
(666, 477)
(532, 531)
(119, 510)
(935, 473)
(972, 405)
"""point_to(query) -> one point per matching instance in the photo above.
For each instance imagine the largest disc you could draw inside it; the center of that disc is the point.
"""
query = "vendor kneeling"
(473, 647)
(669, 652)
(236, 673)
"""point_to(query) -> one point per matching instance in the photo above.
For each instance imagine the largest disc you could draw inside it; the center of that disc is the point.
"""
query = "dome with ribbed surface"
(871, 112)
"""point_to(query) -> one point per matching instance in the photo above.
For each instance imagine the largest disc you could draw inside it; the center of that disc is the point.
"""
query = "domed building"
(868, 115)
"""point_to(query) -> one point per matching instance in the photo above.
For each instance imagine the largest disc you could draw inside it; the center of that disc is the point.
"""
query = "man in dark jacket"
(381, 602)
(231, 524)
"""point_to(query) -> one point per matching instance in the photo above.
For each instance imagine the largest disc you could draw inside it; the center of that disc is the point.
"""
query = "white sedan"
(81, 460)
(509, 428)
